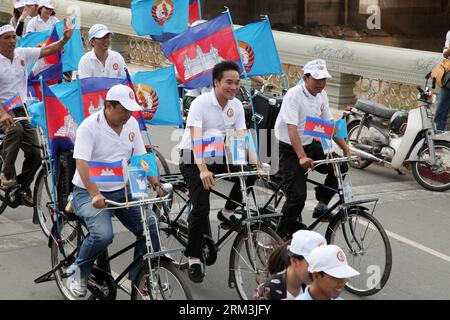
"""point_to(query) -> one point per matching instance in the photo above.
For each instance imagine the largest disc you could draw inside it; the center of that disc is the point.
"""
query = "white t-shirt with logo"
(206, 113)
(97, 141)
(37, 24)
(14, 75)
(90, 66)
(297, 104)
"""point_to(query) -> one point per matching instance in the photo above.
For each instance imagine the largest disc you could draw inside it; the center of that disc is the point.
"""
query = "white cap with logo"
(18, 4)
(304, 241)
(124, 95)
(31, 2)
(46, 3)
(317, 69)
(98, 31)
(331, 260)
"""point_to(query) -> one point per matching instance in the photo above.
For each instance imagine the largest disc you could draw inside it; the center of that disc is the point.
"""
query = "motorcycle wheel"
(352, 130)
(434, 181)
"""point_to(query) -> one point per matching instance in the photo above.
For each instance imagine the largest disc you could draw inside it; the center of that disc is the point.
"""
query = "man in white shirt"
(329, 271)
(101, 61)
(13, 80)
(443, 107)
(298, 151)
(210, 115)
(108, 136)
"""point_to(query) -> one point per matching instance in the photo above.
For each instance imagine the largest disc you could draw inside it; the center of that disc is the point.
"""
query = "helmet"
(398, 122)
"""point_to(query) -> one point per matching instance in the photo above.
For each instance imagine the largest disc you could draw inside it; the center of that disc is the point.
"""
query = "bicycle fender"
(414, 155)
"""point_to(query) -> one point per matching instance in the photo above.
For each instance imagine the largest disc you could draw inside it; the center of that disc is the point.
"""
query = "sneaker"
(317, 213)
(228, 222)
(27, 198)
(6, 183)
(77, 286)
(195, 273)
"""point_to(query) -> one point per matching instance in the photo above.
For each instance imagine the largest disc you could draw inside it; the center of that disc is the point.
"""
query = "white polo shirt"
(297, 104)
(90, 66)
(37, 24)
(97, 141)
(13, 76)
(307, 296)
(206, 113)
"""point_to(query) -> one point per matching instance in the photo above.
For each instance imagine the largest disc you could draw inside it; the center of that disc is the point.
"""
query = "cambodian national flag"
(194, 11)
(94, 91)
(13, 103)
(258, 51)
(146, 163)
(320, 128)
(61, 128)
(105, 171)
(209, 147)
(156, 17)
(157, 93)
(196, 51)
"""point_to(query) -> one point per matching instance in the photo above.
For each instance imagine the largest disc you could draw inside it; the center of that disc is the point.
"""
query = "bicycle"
(157, 279)
(254, 241)
(351, 228)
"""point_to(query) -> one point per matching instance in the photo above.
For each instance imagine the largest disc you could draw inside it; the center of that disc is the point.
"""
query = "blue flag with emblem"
(258, 50)
(157, 93)
(146, 163)
(156, 17)
(340, 129)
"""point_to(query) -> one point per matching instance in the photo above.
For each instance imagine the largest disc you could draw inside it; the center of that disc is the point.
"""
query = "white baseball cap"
(317, 69)
(304, 241)
(331, 260)
(31, 2)
(124, 95)
(46, 3)
(98, 31)
(18, 4)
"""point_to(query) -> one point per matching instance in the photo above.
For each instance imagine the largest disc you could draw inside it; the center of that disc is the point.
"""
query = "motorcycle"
(401, 139)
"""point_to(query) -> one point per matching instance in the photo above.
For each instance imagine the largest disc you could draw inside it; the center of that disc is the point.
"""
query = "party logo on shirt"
(322, 107)
(131, 136)
(22, 62)
(116, 66)
(230, 113)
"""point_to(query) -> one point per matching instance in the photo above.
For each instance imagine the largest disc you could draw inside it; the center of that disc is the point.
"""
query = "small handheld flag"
(138, 183)
(340, 129)
(239, 151)
(105, 172)
(317, 127)
(209, 147)
(146, 163)
(13, 103)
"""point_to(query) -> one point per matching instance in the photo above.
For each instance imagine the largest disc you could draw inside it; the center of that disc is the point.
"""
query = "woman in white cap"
(329, 271)
(19, 6)
(289, 268)
(30, 11)
(45, 19)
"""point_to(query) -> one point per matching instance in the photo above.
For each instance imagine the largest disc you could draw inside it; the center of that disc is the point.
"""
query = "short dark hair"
(114, 103)
(223, 66)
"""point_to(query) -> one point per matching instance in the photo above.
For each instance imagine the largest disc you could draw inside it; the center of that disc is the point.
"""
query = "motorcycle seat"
(375, 109)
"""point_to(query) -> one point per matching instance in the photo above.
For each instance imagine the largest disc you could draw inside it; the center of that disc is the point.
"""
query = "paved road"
(416, 220)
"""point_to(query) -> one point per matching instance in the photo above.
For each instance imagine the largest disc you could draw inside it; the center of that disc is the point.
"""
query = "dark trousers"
(294, 183)
(199, 217)
(12, 143)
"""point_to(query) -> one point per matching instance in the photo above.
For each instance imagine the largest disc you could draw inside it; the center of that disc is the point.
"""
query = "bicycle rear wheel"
(248, 258)
(367, 248)
(161, 163)
(72, 235)
(164, 284)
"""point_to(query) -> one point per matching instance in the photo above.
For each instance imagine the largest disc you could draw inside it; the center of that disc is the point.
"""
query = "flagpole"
(247, 83)
(199, 10)
(49, 150)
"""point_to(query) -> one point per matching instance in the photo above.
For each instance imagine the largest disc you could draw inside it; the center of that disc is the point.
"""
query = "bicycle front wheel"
(249, 256)
(42, 197)
(165, 283)
(367, 248)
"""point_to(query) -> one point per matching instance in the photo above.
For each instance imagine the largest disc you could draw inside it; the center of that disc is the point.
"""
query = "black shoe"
(195, 273)
(228, 222)
(317, 213)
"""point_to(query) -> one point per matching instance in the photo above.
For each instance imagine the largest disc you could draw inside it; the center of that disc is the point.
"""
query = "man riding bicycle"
(211, 114)
(107, 136)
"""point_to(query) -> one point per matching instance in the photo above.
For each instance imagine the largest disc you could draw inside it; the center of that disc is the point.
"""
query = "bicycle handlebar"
(335, 160)
(17, 119)
(166, 187)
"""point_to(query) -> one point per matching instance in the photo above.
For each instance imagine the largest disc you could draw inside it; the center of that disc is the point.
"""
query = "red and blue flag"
(209, 147)
(105, 171)
(196, 51)
(13, 103)
(320, 128)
